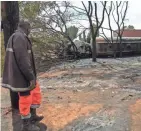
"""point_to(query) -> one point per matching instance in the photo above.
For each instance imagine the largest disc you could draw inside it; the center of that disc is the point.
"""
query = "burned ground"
(87, 96)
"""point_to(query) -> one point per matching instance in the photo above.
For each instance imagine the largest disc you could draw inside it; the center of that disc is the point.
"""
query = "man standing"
(20, 76)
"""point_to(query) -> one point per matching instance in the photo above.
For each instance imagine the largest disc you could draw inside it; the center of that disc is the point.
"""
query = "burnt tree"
(121, 16)
(89, 12)
(10, 19)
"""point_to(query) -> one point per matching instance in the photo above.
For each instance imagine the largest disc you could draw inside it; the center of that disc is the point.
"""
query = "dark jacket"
(19, 67)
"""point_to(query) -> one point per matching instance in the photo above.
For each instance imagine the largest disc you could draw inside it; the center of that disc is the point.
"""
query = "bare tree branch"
(104, 36)
(119, 24)
(109, 20)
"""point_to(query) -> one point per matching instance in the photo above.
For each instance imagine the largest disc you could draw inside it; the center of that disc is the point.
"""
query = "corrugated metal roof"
(131, 33)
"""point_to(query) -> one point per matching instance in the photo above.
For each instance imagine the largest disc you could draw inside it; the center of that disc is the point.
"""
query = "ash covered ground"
(87, 96)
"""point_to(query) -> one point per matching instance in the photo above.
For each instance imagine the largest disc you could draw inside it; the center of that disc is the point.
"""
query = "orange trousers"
(31, 101)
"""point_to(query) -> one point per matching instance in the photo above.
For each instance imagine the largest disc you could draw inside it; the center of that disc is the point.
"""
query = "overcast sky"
(133, 15)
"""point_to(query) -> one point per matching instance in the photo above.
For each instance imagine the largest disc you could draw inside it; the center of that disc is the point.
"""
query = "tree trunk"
(10, 19)
(94, 50)
(93, 37)
(120, 46)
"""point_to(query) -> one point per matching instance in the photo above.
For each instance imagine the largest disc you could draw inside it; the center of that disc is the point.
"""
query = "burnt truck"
(84, 49)
(104, 48)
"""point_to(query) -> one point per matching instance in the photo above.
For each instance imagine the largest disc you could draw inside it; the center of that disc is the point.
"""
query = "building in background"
(130, 33)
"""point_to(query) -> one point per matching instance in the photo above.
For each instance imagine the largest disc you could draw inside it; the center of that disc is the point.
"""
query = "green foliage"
(130, 27)
(72, 32)
(89, 37)
(50, 21)
(29, 9)
(89, 34)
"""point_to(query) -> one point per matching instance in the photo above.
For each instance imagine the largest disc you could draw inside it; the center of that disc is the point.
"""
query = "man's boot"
(34, 116)
(27, 126)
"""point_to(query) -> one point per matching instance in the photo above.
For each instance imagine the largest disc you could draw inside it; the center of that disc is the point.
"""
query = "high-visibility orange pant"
(31, 101)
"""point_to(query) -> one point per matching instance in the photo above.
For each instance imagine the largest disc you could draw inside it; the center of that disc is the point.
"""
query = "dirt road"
(86, 96)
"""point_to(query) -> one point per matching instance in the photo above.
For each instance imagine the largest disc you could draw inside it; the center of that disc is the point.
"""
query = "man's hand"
(32, 84)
